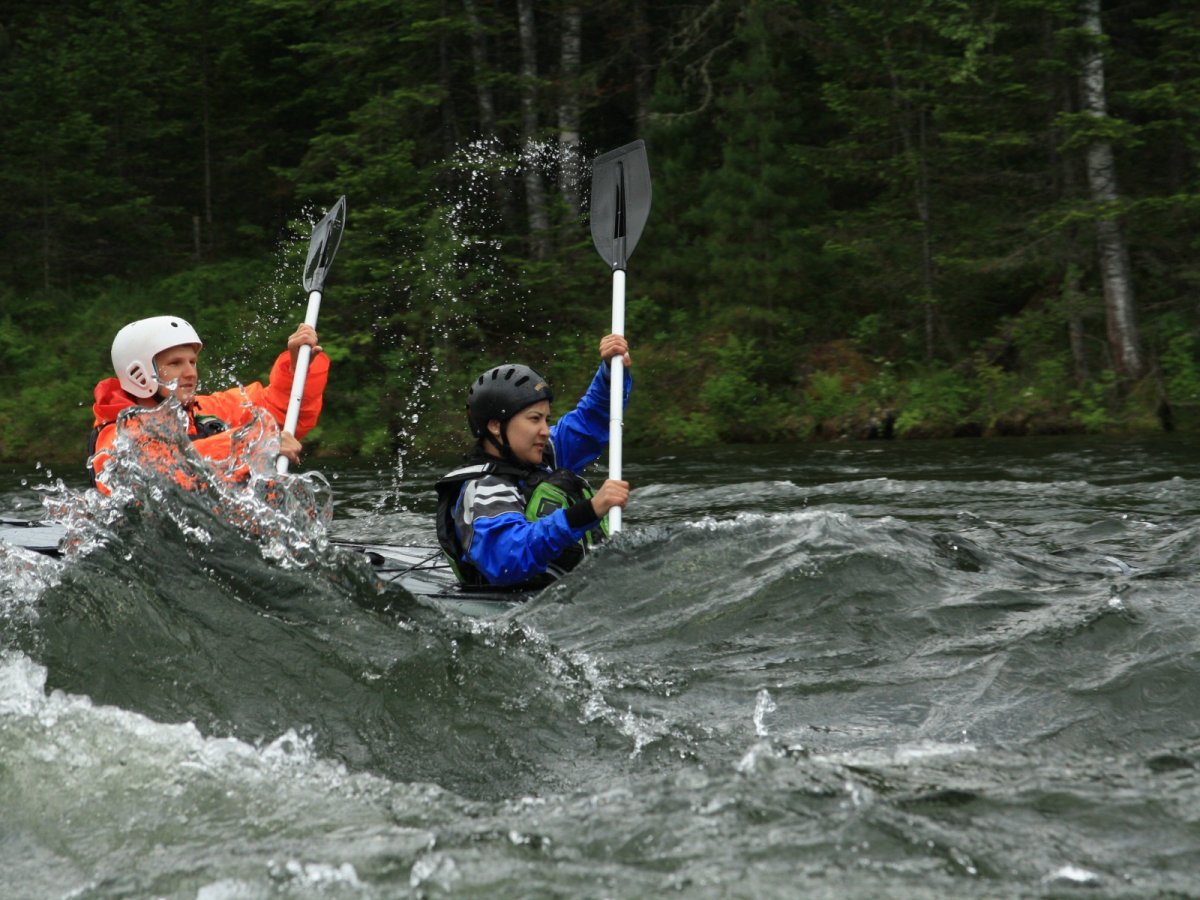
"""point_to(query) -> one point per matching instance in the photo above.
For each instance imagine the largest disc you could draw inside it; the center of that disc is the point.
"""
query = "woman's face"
(528, 432)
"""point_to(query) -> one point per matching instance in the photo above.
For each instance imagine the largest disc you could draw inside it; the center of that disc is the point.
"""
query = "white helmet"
(136, 345)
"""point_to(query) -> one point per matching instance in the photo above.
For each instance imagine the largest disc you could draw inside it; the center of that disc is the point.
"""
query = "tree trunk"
(570, 165)
(489, 128)
(46, 240)
(479, 60)
(923, 213)
(1065, 173)
(206, 146)
(916, 149)
(535, 191)
(1073, 291)
(450, 135)
(1102, 181)
(645, 65)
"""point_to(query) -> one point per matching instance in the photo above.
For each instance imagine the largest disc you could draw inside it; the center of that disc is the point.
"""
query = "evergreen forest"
(918, 218)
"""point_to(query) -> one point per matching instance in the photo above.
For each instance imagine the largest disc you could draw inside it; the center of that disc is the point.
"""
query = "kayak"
(425, 573)
(39, 537)
(420, 570)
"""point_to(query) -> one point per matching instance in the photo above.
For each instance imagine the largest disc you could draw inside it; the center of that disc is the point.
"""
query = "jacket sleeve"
(499, 541)
(229, 406)
(581, 435)
(101, 452)
(278, 392)
(508, 549)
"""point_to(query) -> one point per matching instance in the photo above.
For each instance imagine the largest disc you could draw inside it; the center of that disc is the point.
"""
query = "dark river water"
(947, 669)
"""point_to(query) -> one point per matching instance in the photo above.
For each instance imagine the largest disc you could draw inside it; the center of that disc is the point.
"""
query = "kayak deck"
(425, 573)
(420, 570)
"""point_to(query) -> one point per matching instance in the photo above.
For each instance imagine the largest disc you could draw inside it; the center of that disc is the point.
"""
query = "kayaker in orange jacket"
(157, 357)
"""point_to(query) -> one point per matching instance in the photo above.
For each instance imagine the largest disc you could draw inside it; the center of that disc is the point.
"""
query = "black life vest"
(542, 490)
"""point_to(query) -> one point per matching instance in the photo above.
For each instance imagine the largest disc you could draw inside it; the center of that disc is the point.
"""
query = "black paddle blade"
(323, 246)
(620, 201)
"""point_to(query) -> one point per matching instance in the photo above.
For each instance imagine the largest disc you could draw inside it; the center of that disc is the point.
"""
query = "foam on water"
(155, 472)
(153, 799)
(793, 692)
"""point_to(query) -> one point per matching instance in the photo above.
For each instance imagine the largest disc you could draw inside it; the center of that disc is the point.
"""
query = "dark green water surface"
(946, 669)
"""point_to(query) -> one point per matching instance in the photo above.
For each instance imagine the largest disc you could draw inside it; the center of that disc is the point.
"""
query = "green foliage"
(936, 400)
(861, 210)
(1181, 369)
(826, 397)
(741, 405)
(1095, 405)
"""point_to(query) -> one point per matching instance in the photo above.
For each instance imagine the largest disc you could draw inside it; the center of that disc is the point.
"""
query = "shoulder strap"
(478, 470)
(448, 488)
(465, 473)
(207, 426)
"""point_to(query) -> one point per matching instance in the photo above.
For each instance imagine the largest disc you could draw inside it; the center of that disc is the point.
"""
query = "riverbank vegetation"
(869, 220)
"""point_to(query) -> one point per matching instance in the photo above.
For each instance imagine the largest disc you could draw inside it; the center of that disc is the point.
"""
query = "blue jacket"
(489, 515)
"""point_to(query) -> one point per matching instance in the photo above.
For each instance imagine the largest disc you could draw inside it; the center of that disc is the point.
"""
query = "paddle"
(620, 207)
(322, 247)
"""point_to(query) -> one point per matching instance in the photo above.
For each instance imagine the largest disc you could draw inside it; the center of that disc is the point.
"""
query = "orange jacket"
(229, 406)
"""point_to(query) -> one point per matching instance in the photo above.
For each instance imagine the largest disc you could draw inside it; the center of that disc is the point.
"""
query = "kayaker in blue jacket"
(519, 513)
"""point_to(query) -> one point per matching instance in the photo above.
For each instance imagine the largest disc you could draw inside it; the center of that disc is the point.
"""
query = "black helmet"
(501, 393)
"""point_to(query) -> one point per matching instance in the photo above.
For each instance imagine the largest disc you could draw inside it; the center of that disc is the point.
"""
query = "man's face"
(179, 365)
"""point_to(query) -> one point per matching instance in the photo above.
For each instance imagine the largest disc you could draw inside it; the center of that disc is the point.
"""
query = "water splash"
(154, 470)
(277, 302)
(457, 277)
(763, 706)
(584, 676)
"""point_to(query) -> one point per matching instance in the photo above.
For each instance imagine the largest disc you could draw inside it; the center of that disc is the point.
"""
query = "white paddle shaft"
(299, 377)
(616, 396)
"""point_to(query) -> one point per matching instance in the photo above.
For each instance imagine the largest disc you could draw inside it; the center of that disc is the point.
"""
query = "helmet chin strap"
(491, 438)
(506, 452)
